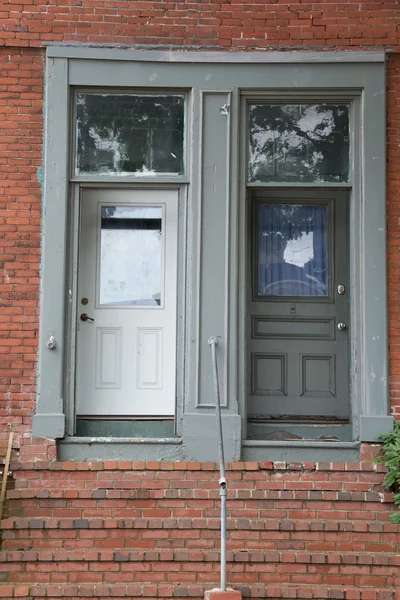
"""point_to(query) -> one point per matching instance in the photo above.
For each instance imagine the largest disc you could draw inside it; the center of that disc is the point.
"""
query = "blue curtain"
(292, 250)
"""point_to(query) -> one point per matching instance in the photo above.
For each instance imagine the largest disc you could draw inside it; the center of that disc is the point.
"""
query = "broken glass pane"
(297, 142)
(121, 134)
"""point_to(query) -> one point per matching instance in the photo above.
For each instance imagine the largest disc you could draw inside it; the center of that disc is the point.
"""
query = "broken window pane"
(297, 142)
(121, 134)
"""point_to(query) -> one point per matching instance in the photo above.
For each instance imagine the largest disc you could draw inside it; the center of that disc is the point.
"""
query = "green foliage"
(389, 455)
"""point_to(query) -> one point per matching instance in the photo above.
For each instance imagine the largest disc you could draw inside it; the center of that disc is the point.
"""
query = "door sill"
(123, 427)
(300, 451)
(119, 448)
(305, 430)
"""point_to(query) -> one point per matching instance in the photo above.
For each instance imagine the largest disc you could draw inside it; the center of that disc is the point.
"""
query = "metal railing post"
(222, 478)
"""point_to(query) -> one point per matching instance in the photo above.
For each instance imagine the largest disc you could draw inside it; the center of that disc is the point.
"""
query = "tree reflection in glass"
(296, 142)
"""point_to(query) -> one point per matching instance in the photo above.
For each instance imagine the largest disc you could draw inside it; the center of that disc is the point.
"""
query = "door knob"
(85, 317)
(342, 326)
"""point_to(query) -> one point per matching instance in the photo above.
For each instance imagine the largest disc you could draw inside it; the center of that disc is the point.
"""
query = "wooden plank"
(5, 473)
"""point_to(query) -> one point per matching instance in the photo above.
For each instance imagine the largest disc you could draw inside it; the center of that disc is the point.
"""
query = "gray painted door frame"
(292, 336)
(72, 291)
(359, 77)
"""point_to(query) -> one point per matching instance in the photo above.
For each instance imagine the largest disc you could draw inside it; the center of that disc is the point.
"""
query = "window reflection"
(129, 134)
(292, 250)
(294, 142)
(131, 256)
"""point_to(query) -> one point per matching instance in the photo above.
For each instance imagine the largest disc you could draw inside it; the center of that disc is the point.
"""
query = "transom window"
(129, 134)
(298, 142)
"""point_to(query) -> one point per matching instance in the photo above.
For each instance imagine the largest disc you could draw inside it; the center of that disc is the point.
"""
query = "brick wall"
(135, 530)
(27, 26)
(236, 25)
(21, 126)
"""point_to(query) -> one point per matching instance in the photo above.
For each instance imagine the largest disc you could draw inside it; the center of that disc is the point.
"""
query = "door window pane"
(292, 253)
(296, 142)
(131, 256)
(121, 134)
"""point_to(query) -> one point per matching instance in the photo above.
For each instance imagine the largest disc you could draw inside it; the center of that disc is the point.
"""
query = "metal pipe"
(222, 479)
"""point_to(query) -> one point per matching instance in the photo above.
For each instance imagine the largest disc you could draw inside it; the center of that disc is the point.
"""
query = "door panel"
(126, 314)
(298, 359)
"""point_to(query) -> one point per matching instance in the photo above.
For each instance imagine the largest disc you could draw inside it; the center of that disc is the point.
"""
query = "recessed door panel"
(299, 258)
(126, 339)
(150, 359)
(108, 357)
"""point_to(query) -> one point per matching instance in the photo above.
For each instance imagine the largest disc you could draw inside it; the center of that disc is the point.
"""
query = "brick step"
(54, 509)
(151, 503)
(198, 534)
(241, 524)
(167, 591)
(170, 504)
(249, 496)
(31, 462)
(182, 555)
(245, 480)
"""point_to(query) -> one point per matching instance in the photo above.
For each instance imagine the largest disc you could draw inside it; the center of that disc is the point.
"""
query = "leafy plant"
(389, 455)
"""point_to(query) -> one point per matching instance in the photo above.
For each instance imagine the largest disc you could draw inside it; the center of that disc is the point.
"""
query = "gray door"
(298, 325)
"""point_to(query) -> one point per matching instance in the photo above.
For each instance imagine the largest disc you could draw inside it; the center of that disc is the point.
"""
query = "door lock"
(341, 289)
(85, 317)
(342, 326)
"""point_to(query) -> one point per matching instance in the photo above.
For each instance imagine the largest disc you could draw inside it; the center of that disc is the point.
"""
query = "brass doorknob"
(85, 317)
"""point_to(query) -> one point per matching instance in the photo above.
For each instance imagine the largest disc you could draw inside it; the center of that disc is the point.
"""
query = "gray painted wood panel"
(214, 239)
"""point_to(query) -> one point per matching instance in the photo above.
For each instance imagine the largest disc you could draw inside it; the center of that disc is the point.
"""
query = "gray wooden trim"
(299, 184)
(233, 257)
(368, 258)
(72, 306)
(106, 53)
(325, 75)
(371, 427)
(286, 96)
(192, 257)
(122, 440)
(181, 307)
(200, 436)
(79, 448)
(300, 444)
(208, 77)
(102, 179)
(372, 303)
(298, 452)
(49, 419)
(48, 425)
(214, 239)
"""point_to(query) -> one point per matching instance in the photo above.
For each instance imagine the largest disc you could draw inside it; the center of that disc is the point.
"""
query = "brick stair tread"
(128, 465)
(273, 524)
(185, 555)
(143, 590)
(103, 493)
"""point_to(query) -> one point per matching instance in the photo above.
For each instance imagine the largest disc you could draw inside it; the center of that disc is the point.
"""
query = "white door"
(126, 330)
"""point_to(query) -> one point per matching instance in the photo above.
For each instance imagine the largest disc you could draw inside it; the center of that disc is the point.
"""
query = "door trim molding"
(309, 74)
